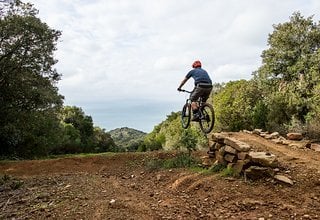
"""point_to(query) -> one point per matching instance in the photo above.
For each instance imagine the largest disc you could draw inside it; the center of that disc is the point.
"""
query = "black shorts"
(201, 90)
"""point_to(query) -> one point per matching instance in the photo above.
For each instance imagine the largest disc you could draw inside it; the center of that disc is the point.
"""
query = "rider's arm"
(183, 82)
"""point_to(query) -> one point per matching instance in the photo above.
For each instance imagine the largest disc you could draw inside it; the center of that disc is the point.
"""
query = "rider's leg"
(195, 111)
(194, 106)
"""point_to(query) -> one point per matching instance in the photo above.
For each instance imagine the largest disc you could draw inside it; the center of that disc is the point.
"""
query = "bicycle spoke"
(207, 120)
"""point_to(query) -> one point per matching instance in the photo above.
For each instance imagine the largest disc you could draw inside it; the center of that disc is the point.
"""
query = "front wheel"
(206, 118)
(186, 115)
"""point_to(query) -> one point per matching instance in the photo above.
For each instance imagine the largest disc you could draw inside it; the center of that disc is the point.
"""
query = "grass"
(7, 180)
(229, 172)
(81, 155)
(182, 160)
(217, 169)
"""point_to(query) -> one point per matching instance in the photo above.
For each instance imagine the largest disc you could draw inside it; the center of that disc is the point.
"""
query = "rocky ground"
(121, 186)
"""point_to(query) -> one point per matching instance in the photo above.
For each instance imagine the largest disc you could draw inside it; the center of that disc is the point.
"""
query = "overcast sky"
(122, 60)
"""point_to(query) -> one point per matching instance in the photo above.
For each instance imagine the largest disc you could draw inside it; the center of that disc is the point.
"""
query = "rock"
(300, 144)
(256, 172)
(286, 142)
(315, 147)
(230, 150)
(206, 161)
(264, 159)
(248, 132)
(283, 179)
(275, 135)
(112, 201)
(221, 150)
(237, 166)
(217, 137)
(221, 159)
(257, 131)
(230, 158)
(280, 140)
(211, 154)
(242, 155)
(264, 134)
(238, 145)
(218, 146)
(212, 145)
(295, 136)
(268, 136)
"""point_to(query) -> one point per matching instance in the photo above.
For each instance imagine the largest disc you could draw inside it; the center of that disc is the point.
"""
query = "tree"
(28, 94)
(188, 140)
(235, 105)
(290, 66)
(103, 141)
(83, 123)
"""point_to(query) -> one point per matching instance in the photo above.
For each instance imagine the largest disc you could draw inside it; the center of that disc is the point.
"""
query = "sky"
(122, 60)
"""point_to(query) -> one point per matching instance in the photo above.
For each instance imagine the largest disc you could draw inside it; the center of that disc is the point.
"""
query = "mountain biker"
(203, 87)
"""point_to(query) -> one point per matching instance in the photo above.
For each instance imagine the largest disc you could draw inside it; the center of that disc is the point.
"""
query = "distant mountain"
(127, 138)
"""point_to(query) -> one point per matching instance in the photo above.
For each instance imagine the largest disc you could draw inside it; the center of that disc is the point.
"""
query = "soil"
(121, 186)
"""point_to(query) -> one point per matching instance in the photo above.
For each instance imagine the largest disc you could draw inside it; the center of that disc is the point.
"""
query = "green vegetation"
(181, 160)
(8, 181)
(128, 139)
(29, 98)
(284, 92)
(169, 135)
(33, 121)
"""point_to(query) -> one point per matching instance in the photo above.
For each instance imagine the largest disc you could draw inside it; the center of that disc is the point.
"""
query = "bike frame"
(203, 115)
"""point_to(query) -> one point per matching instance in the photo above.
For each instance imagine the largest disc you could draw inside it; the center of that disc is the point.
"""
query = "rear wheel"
(186, 115)
(206, 118)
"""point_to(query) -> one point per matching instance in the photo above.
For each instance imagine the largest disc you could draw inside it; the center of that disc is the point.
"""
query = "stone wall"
(240, 156)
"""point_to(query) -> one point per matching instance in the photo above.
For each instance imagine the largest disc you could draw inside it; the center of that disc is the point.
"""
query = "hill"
(127, 138)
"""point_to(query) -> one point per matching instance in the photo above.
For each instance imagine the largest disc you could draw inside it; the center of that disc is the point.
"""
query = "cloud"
(140, 50)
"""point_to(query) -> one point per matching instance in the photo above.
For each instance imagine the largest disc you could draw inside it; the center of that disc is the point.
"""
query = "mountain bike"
(206, 112)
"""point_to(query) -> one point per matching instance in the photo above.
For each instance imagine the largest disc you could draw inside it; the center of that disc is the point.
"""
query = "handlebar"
(182, 90)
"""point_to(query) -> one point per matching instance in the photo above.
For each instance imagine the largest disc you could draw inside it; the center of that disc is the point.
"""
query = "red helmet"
(196, 64)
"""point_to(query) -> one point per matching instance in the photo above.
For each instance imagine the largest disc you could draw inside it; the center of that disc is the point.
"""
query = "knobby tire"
(186, 115)
(207, 120)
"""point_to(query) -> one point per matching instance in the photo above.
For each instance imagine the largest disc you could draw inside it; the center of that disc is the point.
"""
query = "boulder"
(283, 179)
(264, 159)
(238, 145)
(218, 137)
(315, 147)
(230, 150)
(295, 136)
(300, 144)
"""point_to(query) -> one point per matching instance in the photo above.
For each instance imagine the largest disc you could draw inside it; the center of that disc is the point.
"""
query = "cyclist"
(203, 87)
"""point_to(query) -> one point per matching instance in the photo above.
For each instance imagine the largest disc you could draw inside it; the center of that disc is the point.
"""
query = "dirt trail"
(306, 157)
(120, 186)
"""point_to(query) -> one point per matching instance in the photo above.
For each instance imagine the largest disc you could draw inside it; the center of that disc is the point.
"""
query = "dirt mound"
(120, 186)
